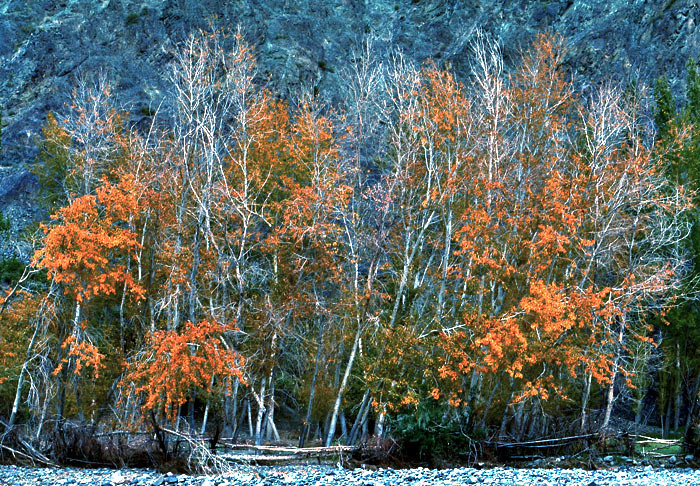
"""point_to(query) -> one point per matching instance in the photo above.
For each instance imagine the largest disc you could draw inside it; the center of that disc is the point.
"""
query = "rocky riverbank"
(324, 475)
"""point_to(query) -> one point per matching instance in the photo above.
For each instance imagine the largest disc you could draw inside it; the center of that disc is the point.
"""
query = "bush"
(4, 223)
(431, 436)
(10, 270)
(132, 18)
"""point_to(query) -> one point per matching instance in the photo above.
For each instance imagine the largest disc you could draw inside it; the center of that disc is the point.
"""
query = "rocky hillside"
(46, 44)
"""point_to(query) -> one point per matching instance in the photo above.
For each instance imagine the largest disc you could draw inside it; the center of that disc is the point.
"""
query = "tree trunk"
(20, 380)
(638, 416)
(18, 394)
(693, 409)
(41, 419)
(239, 421)
(272, 427)
(341, 389)
(78, 398)
(261, 413)
(365, 403)
(250, 419)
(190, 412)
(234, 414)
(271, 430)
(343, 427)
(487, 408)
(519, 420)
(692, 428)
(610, 398)
(365, 424)
(312, 391)
(584, 401)
(504, 419)
(379, 426)
(206, 410)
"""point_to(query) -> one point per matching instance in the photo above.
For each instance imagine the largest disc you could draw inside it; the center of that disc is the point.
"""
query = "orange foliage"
(85, 354)
(173, 364)
(546, 265)
(89, 247)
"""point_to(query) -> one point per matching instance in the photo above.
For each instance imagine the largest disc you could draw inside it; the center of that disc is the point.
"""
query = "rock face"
(46, 44)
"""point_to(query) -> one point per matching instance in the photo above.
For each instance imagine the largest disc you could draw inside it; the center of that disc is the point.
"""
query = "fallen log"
(542, 442)
(267, 453)
(292, 450)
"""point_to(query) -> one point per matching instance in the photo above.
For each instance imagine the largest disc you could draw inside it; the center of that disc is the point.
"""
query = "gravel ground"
(324, 475)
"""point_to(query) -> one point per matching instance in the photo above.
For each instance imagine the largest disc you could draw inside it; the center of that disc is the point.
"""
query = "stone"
(117, 478)
(609, 459)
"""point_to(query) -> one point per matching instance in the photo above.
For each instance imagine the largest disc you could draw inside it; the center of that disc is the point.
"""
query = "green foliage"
(10, 270)
(682, 334)
(132, 18)
(665, 106)
(4, 223)
(691, 117)
(432, 434)
(28, 28)
(147, 111)
(692, 107)
(52, 165)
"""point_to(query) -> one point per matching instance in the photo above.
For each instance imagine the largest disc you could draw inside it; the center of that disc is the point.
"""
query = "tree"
(89, 251)
(174, 363)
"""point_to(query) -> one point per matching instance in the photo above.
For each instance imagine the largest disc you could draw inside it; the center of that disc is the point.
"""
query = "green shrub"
(51, 166)
(10, 270)
(432, 435)
(4, 223)
(132, 18)
(147, 111)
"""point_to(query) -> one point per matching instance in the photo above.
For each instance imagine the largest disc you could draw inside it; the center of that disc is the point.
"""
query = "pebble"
(117, 478)
(327, 476)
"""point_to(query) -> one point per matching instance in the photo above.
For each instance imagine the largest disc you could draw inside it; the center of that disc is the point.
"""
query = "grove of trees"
(497, 257)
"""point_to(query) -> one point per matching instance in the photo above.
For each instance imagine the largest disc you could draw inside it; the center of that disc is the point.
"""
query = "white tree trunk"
(341, 389)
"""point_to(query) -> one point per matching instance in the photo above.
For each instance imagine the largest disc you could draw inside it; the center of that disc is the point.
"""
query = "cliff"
(45, 45)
